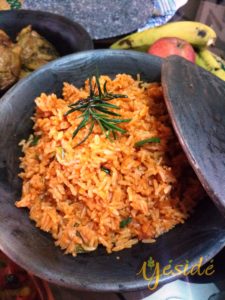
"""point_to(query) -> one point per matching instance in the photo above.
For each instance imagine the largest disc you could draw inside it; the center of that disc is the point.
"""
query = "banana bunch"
(211, 62)
(199, 35)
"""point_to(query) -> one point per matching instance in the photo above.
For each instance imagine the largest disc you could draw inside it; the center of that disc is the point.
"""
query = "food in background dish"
(35, 50)
(19, 59)
(104, 167)
(15, 283)
(9, 61)
(5, 39)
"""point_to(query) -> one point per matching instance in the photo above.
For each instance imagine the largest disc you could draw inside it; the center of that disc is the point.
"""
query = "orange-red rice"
(68, 194)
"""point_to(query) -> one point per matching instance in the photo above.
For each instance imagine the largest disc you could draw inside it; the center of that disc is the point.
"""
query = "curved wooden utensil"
(196, 102)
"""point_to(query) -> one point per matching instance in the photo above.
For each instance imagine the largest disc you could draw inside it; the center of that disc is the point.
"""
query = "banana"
(209, 59)
(196, 33)
(219, 73)
(201, 63)
(211, 62)
(141, 49)
(219, 60)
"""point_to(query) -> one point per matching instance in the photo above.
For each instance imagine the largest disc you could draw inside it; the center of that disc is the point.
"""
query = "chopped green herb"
(36, 138)
(125, 222)
(146, 141)
(106, 170)
(80, 249)
(96, 109)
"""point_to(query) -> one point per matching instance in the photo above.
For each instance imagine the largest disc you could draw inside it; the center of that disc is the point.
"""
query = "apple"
(172, 46)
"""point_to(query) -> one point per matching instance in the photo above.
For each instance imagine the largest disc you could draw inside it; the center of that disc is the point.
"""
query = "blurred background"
(210, 12)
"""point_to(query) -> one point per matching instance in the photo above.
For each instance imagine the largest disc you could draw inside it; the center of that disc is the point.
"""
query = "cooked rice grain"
(69, 195)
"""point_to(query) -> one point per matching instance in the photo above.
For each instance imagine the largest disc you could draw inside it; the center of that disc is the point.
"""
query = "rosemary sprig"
(97, 110)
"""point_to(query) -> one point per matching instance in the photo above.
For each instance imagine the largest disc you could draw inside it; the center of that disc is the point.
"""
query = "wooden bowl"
(67, 36)
(202, 235)
(196, 102)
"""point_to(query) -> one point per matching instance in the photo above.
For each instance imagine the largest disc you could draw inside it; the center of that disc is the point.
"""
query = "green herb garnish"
(80, 249)
(35, 140)
(106, 170)
(125, 222)
(97, 110)
(146, 141)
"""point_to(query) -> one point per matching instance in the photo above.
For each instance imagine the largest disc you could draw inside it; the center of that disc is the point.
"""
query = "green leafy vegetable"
(146, 141)
(35, 140)
(97, 110)
(106, 170)
(80, 249)
(125, 222)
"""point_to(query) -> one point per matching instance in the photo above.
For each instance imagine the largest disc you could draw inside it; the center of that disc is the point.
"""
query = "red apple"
(172, 46)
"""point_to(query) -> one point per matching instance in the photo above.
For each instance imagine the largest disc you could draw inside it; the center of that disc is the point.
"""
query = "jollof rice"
(148, 190)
